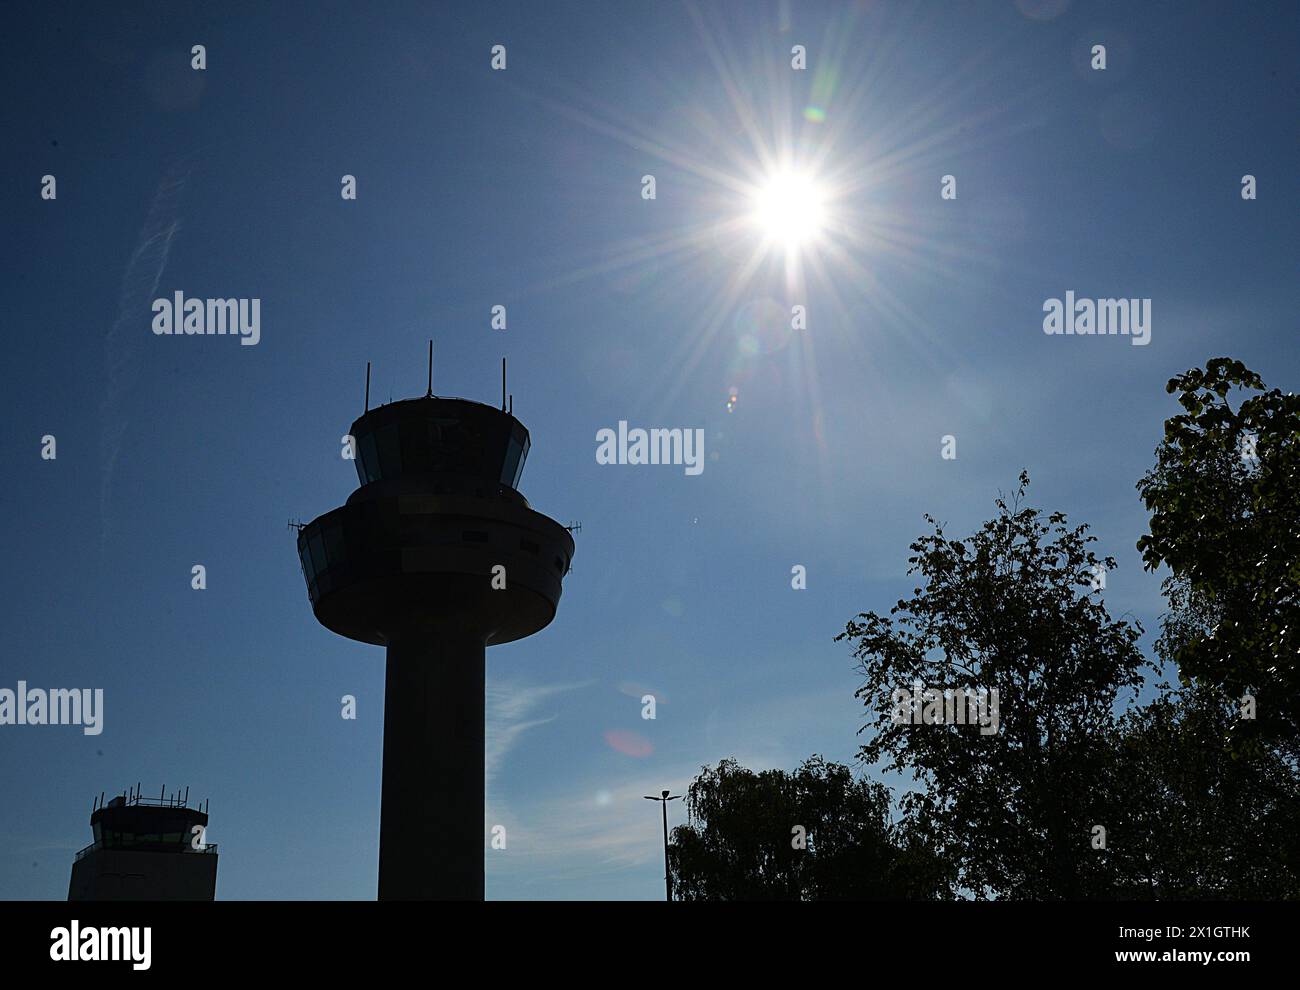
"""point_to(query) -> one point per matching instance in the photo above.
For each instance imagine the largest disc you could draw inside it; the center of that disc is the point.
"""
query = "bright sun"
(790, 209)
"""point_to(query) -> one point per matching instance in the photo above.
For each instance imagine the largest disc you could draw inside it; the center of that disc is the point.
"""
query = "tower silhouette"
(146, 849)
(435, 557)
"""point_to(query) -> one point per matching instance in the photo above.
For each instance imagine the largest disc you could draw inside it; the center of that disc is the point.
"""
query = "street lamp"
(663, 799)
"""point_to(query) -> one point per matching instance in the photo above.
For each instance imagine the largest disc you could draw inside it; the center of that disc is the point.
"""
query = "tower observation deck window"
(441, 437)
(516, 454)
(335, 551)
(390, 451)
(368, 463)
(317, 548)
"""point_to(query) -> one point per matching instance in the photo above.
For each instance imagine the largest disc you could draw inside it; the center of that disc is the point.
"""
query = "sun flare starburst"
(790, 209)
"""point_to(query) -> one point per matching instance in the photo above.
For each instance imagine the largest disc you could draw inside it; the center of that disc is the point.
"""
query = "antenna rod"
(429, 394)
(503, 384)
(367, 409)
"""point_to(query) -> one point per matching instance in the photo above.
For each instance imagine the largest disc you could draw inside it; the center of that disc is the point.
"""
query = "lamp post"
(663, 799)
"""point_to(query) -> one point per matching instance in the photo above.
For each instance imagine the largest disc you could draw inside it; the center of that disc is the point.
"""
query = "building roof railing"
(210, 848)
(133, 797)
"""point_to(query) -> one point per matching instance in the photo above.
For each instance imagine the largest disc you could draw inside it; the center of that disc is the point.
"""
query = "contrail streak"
(123, 340)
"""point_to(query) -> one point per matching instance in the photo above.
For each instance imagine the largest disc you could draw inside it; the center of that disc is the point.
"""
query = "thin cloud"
(508, 707)
(122, 342)
(601, 826)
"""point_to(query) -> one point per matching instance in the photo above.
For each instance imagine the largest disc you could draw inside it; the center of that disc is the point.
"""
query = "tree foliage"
(1224, 498)
(739, 842)
(1015, 608)
(1010, 608)
(1189, 820)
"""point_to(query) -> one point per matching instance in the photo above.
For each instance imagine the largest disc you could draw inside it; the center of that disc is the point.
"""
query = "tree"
(1012, 609)
(742, 839)
(1191, 821)
(1224, 498)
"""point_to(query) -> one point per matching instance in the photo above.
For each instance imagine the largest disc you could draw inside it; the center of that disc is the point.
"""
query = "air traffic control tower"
(435, 557)
(146, 849)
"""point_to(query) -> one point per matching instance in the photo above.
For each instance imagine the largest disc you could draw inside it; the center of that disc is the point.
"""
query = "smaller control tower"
(146, 849)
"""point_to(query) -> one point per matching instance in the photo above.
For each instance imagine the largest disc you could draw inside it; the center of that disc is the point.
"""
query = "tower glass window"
(368, 459)
(334, 549)
(390, 451)
(414, 435)
(317, 548)
(516, 454)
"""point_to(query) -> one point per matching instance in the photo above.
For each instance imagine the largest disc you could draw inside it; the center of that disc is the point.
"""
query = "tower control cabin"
(435, 557)
(146, 849)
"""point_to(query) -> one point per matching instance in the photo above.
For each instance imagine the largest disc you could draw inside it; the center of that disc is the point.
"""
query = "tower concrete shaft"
(431, 821)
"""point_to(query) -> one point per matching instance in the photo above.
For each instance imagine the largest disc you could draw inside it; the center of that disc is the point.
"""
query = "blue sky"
(522, 187)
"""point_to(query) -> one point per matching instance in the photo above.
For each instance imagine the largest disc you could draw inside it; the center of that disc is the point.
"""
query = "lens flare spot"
(761, 327)
(628, 743)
